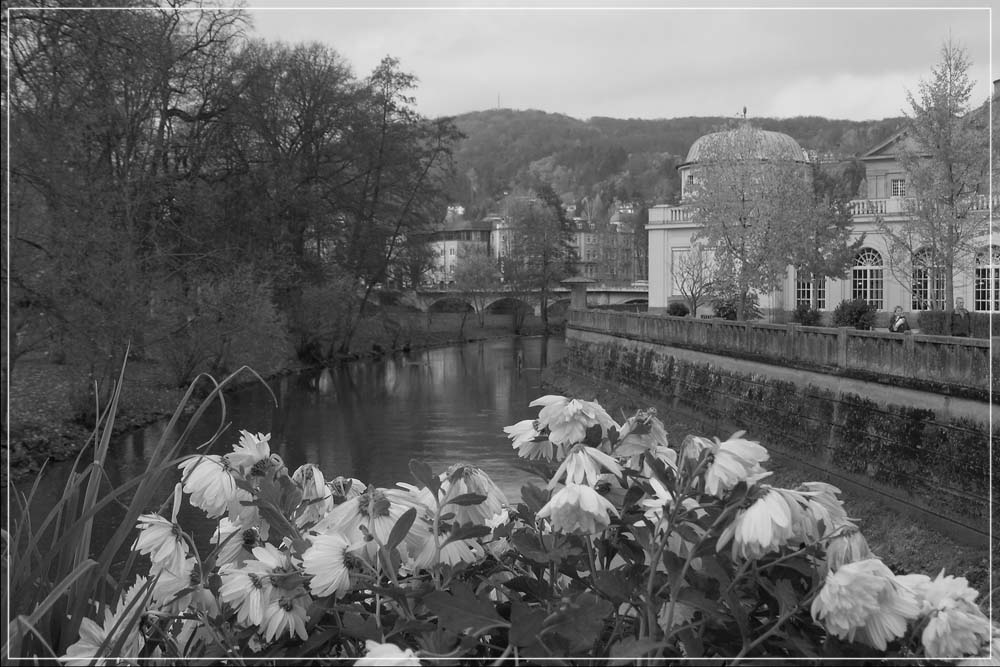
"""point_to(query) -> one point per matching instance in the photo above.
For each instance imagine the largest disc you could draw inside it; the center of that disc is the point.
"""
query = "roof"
(767, 145)
(459, 223)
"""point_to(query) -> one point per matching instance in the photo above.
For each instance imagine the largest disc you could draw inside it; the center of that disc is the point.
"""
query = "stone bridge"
(431, 298)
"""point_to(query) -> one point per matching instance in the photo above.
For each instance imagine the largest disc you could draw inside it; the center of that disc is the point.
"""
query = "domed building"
(885, 195)
(671, 228)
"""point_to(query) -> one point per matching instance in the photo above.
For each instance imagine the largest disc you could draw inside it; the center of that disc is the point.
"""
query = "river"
(367, 419)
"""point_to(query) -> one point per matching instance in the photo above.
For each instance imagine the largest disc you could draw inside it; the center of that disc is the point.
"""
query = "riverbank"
(42, 392)
(903, 542)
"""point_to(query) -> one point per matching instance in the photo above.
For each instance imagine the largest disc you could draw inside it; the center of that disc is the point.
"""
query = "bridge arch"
(450, 304)
(503, 304)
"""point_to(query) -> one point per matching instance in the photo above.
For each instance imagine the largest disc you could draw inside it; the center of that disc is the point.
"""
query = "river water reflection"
(368, 419)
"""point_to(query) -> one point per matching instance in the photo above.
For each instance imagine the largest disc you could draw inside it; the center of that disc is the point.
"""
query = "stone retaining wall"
(939, 364)
(922, 452)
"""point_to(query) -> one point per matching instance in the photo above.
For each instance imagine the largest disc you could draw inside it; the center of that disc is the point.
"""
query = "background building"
(885, 196)
(455, 237)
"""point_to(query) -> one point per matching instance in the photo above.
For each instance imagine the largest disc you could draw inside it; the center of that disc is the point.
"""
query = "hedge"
(936, 323)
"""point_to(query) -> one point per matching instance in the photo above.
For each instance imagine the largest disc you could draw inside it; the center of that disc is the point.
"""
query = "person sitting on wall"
(960, 324)
(898, 324)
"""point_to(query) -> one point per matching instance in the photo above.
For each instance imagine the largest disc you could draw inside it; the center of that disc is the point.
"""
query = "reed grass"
(56, 575)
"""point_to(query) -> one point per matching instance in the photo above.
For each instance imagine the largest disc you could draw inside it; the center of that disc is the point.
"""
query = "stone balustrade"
(904, 205)
(943, 364)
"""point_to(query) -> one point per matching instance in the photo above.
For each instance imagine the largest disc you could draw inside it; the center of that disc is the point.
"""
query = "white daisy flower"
(316, 496)
(568, 419)
(377, 655)
(162, 540)
(530, 443)
(641, 433)
(583, 465)
(578, 508)
(237, 543)
(461, 479)
(847, 545)
(956, 626)
(733, 461)
(210, 482)
(863, 601)
(251, 455)
(117, 624)
(344, 488)
(285, 613)
(247, 591)
(763, 527)
(328, 561)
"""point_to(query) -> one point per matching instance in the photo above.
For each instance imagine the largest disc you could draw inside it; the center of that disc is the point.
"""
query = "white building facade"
(884, 195)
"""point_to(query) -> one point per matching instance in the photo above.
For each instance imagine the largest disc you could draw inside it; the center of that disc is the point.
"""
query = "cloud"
(649, 62)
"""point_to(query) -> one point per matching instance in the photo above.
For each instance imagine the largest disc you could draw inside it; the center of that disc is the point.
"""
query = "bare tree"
(695, 276)
(748, 203)
(477, 276)
(945, 154)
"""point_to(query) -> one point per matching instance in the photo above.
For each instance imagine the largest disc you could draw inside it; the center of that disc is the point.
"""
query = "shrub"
(933, 322)
(320, 319)
(858, 314)
(726, 307)
(807, 316)
(232, 322)
(938, 323)
(678, 309)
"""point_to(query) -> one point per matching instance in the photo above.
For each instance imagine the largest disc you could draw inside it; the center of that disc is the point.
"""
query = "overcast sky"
(651, 60)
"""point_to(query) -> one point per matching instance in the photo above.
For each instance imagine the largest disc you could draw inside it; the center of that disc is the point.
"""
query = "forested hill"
(606, 159)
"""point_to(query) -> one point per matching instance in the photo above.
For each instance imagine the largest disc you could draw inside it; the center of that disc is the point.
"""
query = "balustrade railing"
(938, 360)
(903, 205)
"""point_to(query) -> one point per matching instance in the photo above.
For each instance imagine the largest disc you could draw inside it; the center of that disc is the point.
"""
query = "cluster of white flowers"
(861, 599)
(333, 540)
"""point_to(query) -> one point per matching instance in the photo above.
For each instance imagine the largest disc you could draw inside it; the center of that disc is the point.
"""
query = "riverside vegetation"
(52, 414)
(630, 545)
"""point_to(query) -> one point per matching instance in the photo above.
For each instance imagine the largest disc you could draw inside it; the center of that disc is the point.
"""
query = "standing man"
(960, 324)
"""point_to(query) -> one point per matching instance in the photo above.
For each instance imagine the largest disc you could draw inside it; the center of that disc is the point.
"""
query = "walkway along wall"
(874, 429)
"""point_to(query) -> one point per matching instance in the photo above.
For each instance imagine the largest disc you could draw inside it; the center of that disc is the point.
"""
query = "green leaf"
(786, 596)
(632, 496)
(581, 621)
(524, 623)
(527, 545)
(460, 611)
(424, 475)
(401, 528)
(627, 650)
(529, 587)
(467, 531)
(467, 499)
(613, 585)
(534, 497)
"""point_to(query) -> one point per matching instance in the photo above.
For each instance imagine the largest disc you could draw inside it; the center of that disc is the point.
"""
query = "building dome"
(767, 145)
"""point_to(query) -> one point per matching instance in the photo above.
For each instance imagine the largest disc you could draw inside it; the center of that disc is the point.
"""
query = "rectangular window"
(928, 289)
(898, 186)
(804, 293)
(986, 295)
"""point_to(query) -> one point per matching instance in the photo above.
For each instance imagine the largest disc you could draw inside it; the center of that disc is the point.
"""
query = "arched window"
(866, 277)
(928, 285)
(804, 290)
(987, 290)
